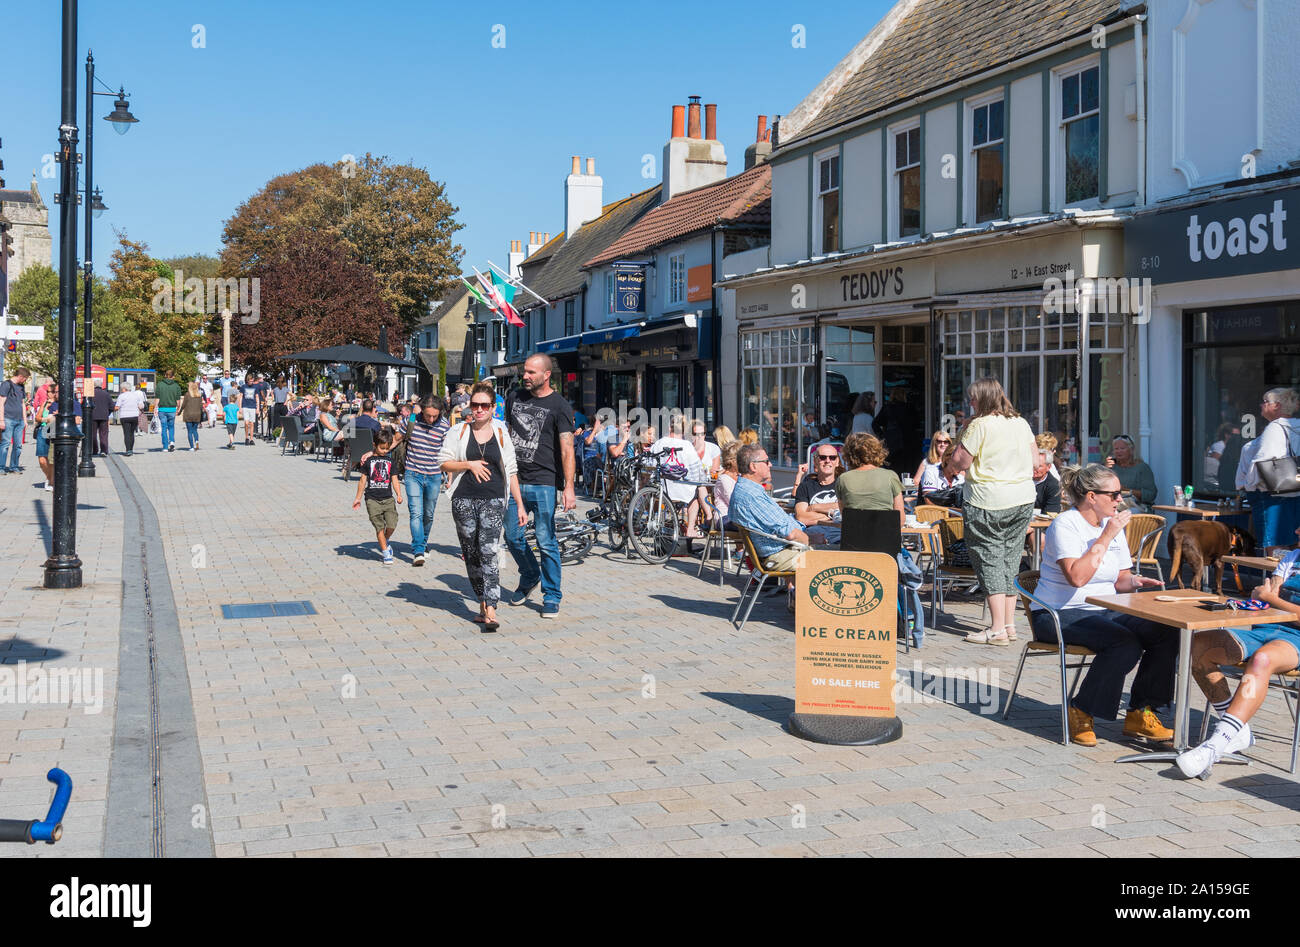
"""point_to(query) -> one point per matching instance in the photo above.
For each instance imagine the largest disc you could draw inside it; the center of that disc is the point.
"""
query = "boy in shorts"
(1265, 649)
(232, 418)
(378, 484)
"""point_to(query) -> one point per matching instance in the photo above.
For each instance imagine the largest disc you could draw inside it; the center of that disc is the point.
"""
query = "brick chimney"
(693, 160)
(582, 196)
(761, 149)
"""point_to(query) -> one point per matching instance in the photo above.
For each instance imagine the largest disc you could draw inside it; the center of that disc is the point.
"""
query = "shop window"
(1079, 134)
(905, 185)
(986, 157)
(827, 226)
(568, 317)
(780, 391)
(676, 279)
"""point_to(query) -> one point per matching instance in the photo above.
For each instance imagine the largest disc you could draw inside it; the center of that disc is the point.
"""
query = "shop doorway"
(901, 420)
(666, 389)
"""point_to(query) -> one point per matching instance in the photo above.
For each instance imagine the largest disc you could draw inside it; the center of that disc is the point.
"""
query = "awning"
(672, 322)
(601, 336)
(568, 343)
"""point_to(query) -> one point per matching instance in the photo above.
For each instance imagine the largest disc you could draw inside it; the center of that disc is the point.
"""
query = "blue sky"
(280, 85)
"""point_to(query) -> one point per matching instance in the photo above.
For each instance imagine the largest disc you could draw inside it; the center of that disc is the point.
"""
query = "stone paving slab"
(640, 724)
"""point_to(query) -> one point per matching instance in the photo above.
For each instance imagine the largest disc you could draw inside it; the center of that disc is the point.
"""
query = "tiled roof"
(562, 274)
(747, 197)
(941, 41)
(17, 197)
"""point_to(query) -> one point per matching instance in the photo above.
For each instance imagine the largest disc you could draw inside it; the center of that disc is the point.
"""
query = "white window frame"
(818, 159)
(609, 295)
(1058, 131)
(891, 146)
(677, 278)
(970, 206)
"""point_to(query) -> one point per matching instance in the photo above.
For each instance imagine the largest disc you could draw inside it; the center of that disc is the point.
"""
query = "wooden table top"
(920, 528)
(1185, 614)
(1204, 512)
(1267, 563)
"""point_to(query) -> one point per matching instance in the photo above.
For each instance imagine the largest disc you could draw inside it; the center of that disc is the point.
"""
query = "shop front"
(1225, 327)
(916, 330)
(653, 367)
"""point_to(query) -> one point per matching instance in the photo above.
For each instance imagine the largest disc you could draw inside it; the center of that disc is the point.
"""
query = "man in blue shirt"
(752, 508)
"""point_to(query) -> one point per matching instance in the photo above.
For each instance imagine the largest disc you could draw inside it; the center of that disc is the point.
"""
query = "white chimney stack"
(582, 196)
(690, 160)
(514, 258)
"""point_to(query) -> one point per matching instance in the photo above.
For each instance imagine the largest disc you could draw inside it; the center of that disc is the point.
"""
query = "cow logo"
(846, 591)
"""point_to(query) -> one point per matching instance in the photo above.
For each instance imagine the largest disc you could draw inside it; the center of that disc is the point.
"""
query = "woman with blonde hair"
(996, 450)
(747, 435)
(722, 434)
(940, 441)
(726, 479)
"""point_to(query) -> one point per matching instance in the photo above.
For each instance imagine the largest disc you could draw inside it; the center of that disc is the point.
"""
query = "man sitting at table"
(816, 505)
(1047, 489)
(1264, 649)
(1086, 554)
(369, 416)
(752, 508)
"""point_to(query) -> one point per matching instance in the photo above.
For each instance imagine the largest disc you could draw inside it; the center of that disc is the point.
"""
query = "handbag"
(1279, 474)
(674, 469)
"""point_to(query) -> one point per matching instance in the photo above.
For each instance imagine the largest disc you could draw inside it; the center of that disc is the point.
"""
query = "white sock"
(1221, 706)
(1228, 727)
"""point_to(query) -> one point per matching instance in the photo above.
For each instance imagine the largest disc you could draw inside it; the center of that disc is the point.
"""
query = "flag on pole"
(473, 291)
(498, 302)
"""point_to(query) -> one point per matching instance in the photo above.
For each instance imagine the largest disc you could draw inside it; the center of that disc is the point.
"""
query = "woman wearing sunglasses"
(1085, 553)
(482, 448)
(929, 475)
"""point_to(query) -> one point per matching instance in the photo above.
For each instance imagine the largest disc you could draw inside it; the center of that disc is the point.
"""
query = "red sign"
(97, 374)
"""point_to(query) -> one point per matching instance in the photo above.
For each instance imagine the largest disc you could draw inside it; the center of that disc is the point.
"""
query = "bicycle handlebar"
(51, 829)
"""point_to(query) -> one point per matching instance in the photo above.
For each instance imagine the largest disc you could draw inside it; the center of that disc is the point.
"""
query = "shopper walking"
(996, 449)
(130, 403)
(1274, 516)
(101, 411)
(482, 448)
(14, 393)
(423, 436)
(191, 411)
(540, 422)
(168, 393)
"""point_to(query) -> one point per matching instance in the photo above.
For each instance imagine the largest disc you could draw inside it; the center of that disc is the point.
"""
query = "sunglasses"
(1113, 494)
(480, 405)
(828, 456)
(1123, 437)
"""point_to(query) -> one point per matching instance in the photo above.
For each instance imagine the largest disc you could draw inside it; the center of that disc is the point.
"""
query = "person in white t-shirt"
(1085, 553)
(710, 455)
(680, 451)
(129, 404)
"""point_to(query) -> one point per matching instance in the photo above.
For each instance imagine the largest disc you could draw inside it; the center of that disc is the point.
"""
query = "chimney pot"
(546, 238)
(711, 122)
(679, 121)
(591, 166)
(762, 128)
(577, 165)
(693, 118)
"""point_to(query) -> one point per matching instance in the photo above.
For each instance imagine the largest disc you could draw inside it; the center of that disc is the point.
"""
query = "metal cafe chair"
(1288, 682)
(760, 569)
(1026, 585)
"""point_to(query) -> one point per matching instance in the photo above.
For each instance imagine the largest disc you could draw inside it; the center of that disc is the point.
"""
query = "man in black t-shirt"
(816, 504)
(541, 426)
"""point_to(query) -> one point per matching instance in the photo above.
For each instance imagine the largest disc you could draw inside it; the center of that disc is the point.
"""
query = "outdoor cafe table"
(1188, 618)
(1201, 512)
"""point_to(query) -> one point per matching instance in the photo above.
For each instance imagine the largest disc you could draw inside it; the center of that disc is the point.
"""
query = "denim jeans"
(540, 501)
(192, 432)
(168, 418)
(422, 499)
(11, 444)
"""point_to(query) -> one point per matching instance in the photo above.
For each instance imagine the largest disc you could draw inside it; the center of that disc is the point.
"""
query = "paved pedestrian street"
(639, 724)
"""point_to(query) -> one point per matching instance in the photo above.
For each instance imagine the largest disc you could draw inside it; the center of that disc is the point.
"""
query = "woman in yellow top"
(996, 449)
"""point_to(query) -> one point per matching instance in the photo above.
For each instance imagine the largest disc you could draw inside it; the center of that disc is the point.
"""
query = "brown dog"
(1204, 543)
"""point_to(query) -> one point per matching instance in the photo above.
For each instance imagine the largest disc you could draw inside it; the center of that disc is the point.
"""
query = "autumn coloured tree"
(313, 295)
(393, 218)
(169, 335)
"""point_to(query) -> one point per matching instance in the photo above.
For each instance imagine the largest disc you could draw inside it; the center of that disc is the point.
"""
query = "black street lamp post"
(63, 568)
(122, 121)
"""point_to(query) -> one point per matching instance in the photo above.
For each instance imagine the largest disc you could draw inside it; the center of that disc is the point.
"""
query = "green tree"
(34, 300)
(393, 218)
(442, 372)
(169, 335)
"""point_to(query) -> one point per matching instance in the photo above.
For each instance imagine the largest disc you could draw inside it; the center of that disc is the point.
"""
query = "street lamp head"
(121, 116)
(97, 205)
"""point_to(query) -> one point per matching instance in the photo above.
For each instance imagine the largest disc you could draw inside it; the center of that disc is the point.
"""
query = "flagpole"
(518, 283)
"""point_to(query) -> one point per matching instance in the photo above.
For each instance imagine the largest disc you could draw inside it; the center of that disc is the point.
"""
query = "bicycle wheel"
(652, 525)
(575, 543)
(616, 521)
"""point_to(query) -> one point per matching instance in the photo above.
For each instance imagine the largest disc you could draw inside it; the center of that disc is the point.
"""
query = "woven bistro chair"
(1143, 533)
(1026, 586)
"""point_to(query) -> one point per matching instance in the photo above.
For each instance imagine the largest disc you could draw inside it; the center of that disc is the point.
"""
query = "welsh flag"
(500, 294)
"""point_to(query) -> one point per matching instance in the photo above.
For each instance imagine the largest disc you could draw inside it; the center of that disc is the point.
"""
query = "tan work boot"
(1081, 731)
(1145, 723)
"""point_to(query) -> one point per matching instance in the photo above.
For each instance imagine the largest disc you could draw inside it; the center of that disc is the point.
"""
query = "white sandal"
(987, 637)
